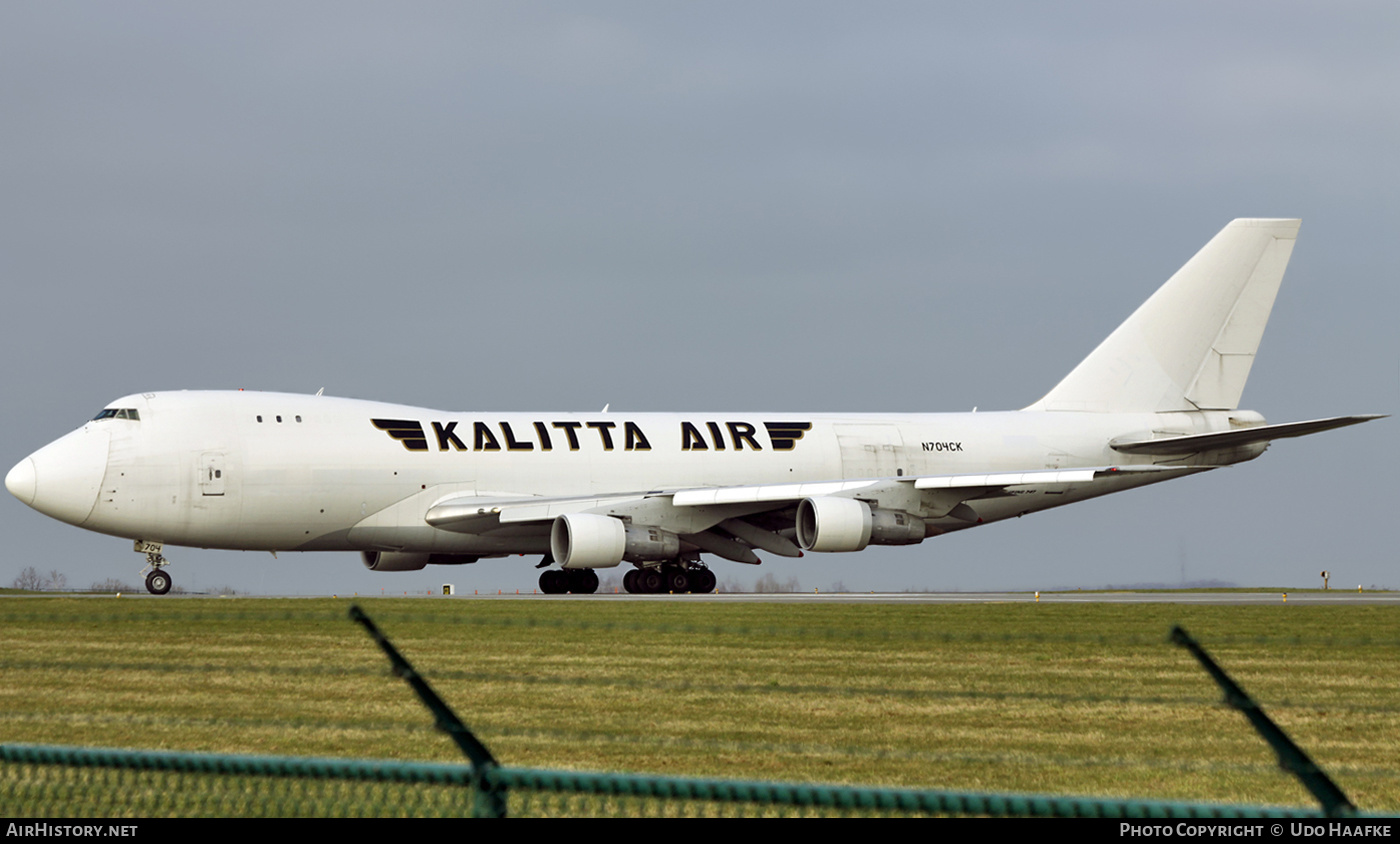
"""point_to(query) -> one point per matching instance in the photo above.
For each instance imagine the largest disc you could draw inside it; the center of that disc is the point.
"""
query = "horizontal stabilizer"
(1192, 443)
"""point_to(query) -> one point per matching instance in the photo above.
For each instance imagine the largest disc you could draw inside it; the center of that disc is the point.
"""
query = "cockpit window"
(118, 413)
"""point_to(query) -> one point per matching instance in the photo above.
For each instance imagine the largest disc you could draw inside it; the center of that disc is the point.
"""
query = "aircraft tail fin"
(1191, 345)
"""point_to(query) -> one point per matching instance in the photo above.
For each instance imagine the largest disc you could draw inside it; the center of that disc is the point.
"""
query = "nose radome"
(63, 478)
(20, 481)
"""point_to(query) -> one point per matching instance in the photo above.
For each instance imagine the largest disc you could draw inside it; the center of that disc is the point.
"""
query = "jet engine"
(827, 523)
(401, 561)
(393, 561)
(590, 541)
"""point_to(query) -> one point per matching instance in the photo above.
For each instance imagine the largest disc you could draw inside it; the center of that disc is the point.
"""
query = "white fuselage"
(276, 471)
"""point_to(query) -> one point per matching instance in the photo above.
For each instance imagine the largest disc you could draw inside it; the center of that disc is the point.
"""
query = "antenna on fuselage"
(605, 407)
(320, 391)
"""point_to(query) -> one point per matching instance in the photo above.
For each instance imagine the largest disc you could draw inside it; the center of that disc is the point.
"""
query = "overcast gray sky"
(756, 206)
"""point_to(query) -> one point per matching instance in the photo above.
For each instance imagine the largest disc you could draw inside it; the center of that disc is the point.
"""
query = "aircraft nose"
(20, 481)
(63, 478)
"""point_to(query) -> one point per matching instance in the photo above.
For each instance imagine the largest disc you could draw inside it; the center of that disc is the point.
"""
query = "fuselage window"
(279, 418)
(260, 418)
(298, 418)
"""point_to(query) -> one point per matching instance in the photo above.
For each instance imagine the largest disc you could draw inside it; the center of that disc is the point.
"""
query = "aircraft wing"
(691, 513)
(976, 485)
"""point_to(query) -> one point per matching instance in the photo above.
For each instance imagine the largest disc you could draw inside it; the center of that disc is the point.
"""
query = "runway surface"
(1223, 598)
(1218, 598)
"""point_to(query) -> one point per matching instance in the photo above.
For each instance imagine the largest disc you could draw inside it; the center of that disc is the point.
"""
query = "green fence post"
(1290, 756)
(489, 793)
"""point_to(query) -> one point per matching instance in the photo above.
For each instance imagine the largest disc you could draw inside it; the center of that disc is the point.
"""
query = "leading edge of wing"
(467, 512)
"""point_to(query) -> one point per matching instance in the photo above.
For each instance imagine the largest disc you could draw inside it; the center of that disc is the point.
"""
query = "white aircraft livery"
(409, 487)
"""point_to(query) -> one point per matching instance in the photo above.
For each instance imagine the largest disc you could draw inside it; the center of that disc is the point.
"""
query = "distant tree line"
(30, 580)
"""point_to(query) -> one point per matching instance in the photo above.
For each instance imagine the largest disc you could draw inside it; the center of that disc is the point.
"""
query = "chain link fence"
(213, 674)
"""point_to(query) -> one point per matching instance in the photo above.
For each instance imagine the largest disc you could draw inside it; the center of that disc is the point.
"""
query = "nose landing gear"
(157, 582)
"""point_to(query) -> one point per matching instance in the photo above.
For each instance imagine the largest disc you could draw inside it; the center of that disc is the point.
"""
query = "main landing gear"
(672, 577)
(577, 581)
(157, 582)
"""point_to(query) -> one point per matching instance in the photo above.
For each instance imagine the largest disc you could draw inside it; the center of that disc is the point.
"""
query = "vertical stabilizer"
(1191, 345)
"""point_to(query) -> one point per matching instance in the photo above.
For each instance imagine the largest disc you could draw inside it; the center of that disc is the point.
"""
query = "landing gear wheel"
(650, 581)
(678, 580)
(157, 582)
(629, 582)
(554, 582)
(583, 581)
(702, 581)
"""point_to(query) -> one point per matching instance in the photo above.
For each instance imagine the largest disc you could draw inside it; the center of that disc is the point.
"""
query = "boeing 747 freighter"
(408, 487)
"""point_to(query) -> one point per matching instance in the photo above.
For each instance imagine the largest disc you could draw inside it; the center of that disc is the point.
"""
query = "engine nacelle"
(587, 541)
(827, 523)
(650, 543)
(895, 527)
(400, 561)
(393, 560)
(590, 541)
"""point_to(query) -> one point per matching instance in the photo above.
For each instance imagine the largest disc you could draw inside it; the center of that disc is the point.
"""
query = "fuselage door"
(211, 473)
(870, 450)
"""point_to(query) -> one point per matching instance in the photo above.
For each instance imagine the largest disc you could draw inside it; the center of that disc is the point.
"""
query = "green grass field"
(1066, 699)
